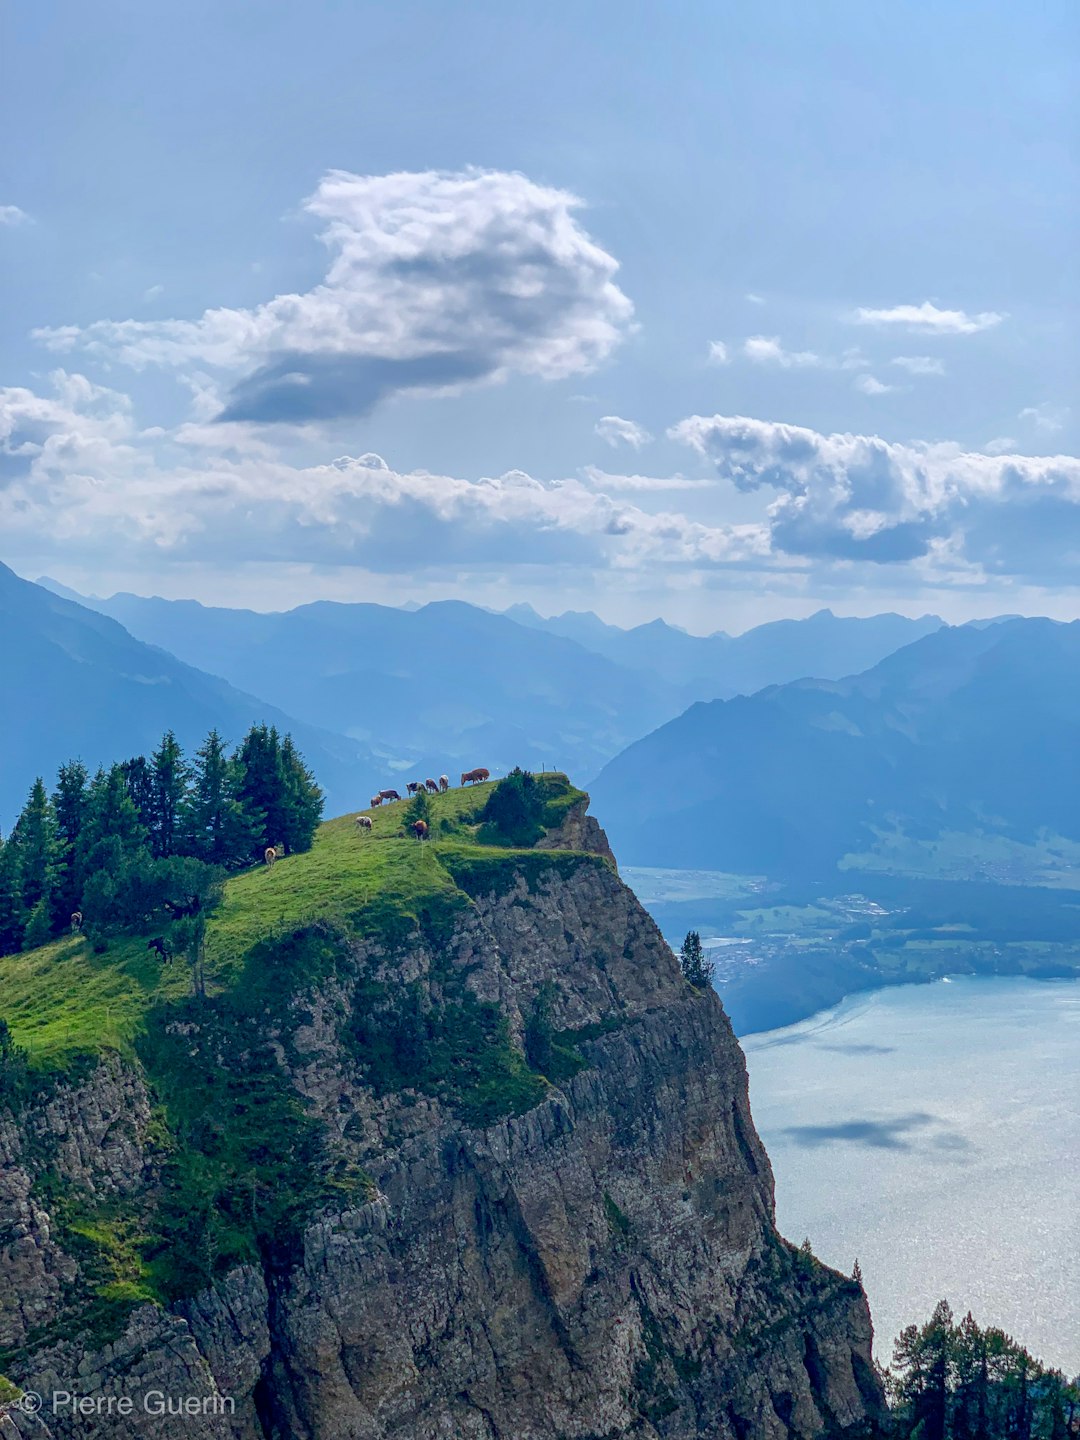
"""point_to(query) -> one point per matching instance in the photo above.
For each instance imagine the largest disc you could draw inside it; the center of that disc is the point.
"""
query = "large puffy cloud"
(436, 280)
(859, 497)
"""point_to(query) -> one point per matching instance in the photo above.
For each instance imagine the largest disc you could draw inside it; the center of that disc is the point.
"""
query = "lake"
(933, 1131)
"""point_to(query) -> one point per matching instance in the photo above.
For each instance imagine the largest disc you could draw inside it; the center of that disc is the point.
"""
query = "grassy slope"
(63, 1001)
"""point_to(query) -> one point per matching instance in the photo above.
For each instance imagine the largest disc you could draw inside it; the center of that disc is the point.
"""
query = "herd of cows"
(468, 777)
(415, 787)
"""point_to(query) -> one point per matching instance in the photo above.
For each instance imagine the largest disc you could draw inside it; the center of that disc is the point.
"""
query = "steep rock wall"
(603, 1265)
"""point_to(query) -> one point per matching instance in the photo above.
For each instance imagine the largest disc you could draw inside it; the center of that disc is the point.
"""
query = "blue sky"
(716, 311)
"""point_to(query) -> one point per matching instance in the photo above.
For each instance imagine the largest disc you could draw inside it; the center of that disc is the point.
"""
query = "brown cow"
(432, 786)
(363, 822)
(420, 829)
(76, 921)
(413, 786)
(473, 777)
(270, 855)
(389, 795)
(376, 800)
(160, 947)
(444, 782)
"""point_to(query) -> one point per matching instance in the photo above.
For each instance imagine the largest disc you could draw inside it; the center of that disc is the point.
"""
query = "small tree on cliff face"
(696, 969)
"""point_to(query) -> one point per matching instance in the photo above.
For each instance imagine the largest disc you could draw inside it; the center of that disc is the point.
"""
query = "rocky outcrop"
(603, 1265)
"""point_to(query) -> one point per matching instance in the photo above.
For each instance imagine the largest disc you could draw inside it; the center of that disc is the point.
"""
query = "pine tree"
(70, 805)
(696, 968)
(214, 824)
(169, 789)
(39, 926)
(12, 911)
(139, 779)
(112, 816)
(34, 836)
(302, 800)
(257, 787)
(856, 1272)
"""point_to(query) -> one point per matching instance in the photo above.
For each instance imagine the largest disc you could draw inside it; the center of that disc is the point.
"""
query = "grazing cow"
(76, 922)
(270, 855)
(376, 800)
(160, 948)
(420, 829)
(473, 777)
(432, 786)
(413, 786)
(389, 795)
(363, 822)
(444, 782)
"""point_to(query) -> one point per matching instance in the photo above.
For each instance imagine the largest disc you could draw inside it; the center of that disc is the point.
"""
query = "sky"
(714, 311)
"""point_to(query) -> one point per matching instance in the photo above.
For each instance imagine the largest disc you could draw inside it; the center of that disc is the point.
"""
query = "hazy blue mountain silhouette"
(974, 728)
(717, 666)
(443, 686)
(76, 683)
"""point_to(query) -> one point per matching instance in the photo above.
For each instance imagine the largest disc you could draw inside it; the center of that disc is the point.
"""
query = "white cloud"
(80, 478)
(12, 215)
(859, 497)
(153, 292)
(1002, 445)
(437, 280)
(603, 480)
(767, 350)
(753, 298)
(617, 431)
(929, 318)
(869, 385)
(1046, 418)
(919, 364)
(718, 353)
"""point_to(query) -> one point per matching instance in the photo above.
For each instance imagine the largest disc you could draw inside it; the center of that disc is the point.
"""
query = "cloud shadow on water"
(903, 1132)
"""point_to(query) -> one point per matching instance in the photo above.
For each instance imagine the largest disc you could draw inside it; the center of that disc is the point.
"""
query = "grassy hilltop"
(63, 1000)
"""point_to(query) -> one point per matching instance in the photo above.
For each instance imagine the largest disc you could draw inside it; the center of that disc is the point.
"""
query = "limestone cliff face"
(603, 1265)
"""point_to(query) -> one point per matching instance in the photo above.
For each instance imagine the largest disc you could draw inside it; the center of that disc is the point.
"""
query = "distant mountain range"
(77, 684)
(450, 685)
(715, 667)
(969, 736)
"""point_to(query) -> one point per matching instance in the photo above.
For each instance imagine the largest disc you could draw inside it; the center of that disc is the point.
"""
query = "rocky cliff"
(542, 1209)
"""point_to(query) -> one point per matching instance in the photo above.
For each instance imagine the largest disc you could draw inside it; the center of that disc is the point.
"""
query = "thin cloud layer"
(12, 215)
(929, 319)
(437, 280)
(858, 497)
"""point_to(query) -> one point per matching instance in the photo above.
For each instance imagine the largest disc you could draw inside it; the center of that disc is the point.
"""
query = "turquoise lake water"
(933, 1131)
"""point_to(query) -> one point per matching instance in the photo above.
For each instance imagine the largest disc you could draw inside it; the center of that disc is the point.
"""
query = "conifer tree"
(257, 787)
(214, 826)
(696, 968)
(302, 800)
(169, 786)
(12, 912)
(139, 779)
(34, 836)
(70, 804)
(39, 926)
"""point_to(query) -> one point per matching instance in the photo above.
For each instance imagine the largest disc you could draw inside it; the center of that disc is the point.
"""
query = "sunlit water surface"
(933, 1131)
